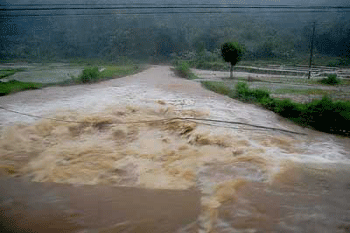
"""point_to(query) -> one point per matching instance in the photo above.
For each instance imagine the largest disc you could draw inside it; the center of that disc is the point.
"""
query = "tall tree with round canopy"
(232, 52)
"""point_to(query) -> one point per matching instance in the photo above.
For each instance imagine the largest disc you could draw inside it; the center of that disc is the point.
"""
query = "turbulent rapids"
(249, 179)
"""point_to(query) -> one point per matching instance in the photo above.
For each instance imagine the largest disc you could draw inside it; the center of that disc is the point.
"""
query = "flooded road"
(113, 133)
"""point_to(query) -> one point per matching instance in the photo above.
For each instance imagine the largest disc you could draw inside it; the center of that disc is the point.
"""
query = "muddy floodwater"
(130, 133)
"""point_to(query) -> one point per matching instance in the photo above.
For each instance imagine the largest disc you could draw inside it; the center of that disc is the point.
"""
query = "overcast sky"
(245, 2)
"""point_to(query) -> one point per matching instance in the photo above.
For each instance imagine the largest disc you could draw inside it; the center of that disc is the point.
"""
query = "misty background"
(159, 30)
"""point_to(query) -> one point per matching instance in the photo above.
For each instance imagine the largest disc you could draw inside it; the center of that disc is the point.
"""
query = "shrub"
(324, 115)
(268, 103)
(331, 80)
(245, 93)
(89, 75)
(182, 69)
(289, 109)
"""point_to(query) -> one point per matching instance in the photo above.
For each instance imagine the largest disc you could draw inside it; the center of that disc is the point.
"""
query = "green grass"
(325, 115)
(8, 72)
(303, 91)
(92, 74)
(16, 86)
(118, 71)
(243, 92)
(89, 75)
(218, 87)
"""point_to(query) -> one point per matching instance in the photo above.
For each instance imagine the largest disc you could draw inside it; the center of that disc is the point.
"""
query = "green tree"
(232, 52)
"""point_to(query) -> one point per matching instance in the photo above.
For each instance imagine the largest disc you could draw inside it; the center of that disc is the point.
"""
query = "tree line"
(142, 37)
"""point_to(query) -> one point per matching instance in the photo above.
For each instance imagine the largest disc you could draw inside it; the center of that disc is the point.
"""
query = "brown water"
(49, 207)
(250, 180)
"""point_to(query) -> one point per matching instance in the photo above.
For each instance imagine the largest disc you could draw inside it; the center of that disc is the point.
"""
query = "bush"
(183, 70)
(329, 116)
(89, 75)
(324, 115)
(289, 109)
(243, 92)
(331, 80)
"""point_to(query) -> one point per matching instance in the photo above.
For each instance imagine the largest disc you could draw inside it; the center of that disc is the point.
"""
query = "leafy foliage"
(331, 80)
(245, 93)
(89, 75)
(325, 115)
(183, 70)
(232, 52)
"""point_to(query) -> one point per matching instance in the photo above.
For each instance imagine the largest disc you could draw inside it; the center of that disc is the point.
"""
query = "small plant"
(331, 80)
(89, 75)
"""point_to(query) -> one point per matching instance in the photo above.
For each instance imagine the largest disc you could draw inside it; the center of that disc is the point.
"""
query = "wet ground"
(249, 180)
(276, 82)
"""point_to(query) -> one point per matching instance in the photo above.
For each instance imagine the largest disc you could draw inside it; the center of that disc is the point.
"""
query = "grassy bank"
(16, 86)
(324, 115)
(304, 91)
(93, 74)
(89, 75)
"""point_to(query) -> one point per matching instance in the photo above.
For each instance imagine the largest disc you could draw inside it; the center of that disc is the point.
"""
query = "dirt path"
(218, 160)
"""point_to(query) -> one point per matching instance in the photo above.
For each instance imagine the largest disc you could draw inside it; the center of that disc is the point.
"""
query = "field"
(16, 77)
(285, 82)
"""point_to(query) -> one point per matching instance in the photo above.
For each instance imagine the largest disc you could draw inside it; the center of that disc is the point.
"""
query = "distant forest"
(267, 33)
